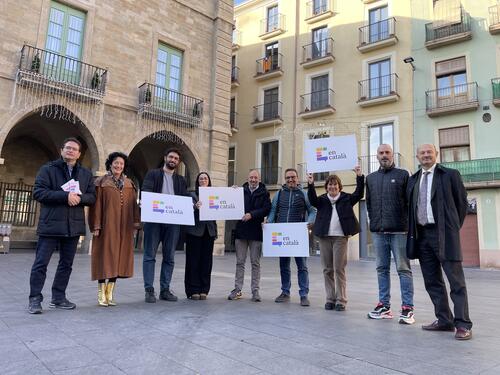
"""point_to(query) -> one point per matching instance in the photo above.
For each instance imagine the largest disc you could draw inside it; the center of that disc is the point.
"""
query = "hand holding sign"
(331, 154)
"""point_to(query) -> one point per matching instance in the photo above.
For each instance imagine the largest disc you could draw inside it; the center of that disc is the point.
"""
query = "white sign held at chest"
(166, 209)
(285, 240)
(331, 154)
(221, 203)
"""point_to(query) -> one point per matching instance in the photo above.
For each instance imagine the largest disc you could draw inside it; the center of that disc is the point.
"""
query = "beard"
(171, 165)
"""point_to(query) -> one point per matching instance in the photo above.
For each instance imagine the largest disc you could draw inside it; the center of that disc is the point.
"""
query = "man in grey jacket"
(388, 212)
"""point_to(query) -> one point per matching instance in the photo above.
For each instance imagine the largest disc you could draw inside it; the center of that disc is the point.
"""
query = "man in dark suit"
(437, 208)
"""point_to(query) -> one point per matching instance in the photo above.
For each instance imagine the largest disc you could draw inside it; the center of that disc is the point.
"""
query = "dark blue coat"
(258, 204)
(57, 218)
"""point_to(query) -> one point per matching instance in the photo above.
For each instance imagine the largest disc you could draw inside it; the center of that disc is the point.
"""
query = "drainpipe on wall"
(295, 57)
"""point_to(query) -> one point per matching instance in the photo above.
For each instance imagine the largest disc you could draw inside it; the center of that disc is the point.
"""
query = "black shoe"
(304, 301)
(329, 306)
(167, 295)
(282, 298)
(35, 305)
(64, 304)
(339, 307)
(150, 295)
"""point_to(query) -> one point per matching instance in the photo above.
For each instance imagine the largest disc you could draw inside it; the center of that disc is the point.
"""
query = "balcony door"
(168, 78)
(380, 78)
(319, 92)
(272, 19)
(271, 60)
(64, 43)
(269, 159)
(320, 6)
(379, 134)
(319, 42)
(379, 24)
(271, 104)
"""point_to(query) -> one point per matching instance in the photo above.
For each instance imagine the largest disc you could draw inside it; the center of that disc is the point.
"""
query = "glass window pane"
(387, 136)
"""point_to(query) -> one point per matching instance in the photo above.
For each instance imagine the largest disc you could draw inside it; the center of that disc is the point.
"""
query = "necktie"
(422, 200)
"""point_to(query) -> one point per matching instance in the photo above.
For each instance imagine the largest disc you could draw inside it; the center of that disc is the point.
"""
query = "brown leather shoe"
(435, 326)
(463, 334)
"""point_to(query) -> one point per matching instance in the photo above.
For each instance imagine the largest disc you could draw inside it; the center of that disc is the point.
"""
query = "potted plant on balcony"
(35, 64)
(96, 81)
(147, 95)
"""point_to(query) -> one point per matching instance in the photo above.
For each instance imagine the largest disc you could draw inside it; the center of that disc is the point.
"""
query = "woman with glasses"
(199, 247)
(113, 220)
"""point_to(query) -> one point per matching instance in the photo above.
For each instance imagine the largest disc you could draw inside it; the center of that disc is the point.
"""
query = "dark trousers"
(44, 249)
(199, 251)
(428, 247)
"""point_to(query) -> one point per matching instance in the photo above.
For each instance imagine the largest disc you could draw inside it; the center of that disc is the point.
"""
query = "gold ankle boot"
(110, 287)
(101, 295)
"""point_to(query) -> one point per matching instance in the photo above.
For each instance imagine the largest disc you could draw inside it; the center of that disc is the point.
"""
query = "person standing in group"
(249, 234)
(437, 202)
(165, 181)
(335, 222)
(291, 205)
(63, 187)
(388, 213)
(200, 239)
(113, 220)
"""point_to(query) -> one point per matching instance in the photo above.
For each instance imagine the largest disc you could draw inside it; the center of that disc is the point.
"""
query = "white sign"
(221, 203)
(285, 240)
(166, 209)
(331, 154)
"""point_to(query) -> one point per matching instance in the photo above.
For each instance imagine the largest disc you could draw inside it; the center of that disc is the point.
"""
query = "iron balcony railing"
(316, 7)
(370, 163)
(267, 111)
(378, 31)
(40, 64)
(378, 87)
(495, 86)
(451, 96)
(479, 170)
(317, 50)
(170, 103)
(269, 64)
(439, 30)
(316, 100)
(494, 12)
(235, 73)
(270, 175)
(273, 23)
(233, 119)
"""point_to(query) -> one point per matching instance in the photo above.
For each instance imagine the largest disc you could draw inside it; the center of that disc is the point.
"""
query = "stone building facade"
(126, 76)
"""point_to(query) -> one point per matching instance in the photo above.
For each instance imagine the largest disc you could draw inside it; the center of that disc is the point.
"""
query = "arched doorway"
(30, 143)
(148, 154)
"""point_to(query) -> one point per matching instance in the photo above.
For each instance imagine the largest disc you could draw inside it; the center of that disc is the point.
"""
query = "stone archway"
(148, 154)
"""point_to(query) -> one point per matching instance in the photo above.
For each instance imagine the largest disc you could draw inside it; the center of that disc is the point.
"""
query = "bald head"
(427, 155)
(253, 178)
(385, 156)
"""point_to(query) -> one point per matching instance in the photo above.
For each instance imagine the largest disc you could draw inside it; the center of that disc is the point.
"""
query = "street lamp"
(410, 60)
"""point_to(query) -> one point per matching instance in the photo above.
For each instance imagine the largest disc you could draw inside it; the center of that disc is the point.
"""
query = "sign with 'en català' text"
(285, 240)
(331, 154)
(166, 209)
(221, 203)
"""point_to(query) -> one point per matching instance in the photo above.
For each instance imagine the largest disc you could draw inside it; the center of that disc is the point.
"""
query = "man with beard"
(165, 181)
(437, 202)
(388, 213)
(249, 234)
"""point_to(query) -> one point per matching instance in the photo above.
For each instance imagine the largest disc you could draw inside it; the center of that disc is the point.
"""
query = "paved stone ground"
(218, 336)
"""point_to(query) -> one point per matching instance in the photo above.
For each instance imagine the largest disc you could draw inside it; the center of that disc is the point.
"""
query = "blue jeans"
(385, 244)
(44, 249)
(168, 235)
(303, 275)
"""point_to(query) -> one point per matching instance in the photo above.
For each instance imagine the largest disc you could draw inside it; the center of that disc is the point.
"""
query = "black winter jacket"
(258, 204)
(348, 221)
(57, 218)
(199, 227)
(386, 200)
(153, 182)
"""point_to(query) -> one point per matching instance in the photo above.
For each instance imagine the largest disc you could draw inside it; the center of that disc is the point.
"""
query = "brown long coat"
(116, 215)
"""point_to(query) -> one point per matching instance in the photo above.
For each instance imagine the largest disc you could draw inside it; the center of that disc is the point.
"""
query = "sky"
(238, 2)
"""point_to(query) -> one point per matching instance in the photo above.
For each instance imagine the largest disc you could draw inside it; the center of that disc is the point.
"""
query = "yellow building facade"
(321, 68)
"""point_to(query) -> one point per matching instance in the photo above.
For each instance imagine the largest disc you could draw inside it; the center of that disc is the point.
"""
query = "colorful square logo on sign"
(319, 154)
(276, 238)
(157, 206)
(212, 201)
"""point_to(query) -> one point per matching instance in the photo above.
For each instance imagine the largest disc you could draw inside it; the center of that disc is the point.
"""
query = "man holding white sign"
(291, 205)
(165, 181)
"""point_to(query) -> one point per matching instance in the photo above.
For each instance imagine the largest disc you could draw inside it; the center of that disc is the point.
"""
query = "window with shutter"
(454, 144)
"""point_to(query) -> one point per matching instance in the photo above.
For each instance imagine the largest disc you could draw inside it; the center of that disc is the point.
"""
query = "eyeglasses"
(69, 148)
(290, 177)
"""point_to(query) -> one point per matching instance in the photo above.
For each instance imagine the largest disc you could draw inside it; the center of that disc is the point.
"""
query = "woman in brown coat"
(112, 220)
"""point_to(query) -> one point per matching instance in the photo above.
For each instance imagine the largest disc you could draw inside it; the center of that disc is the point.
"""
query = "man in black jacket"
(61, 222)
(249, 234)
(437, 202)
(165, 181)
(388, 212)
